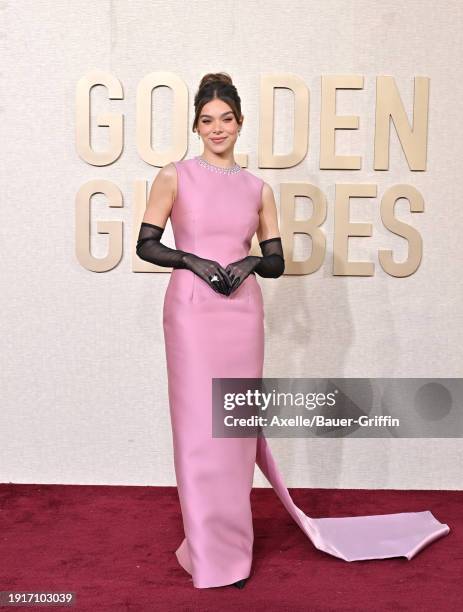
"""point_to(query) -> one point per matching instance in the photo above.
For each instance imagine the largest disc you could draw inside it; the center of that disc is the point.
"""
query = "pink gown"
(207, 335)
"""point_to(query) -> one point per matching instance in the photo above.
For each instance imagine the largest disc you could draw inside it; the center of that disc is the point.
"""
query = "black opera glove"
(270, 265)
(210, 271)
(239, 270)
(149, 248)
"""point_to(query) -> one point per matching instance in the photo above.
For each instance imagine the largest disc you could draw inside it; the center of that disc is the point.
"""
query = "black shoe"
(239, 584)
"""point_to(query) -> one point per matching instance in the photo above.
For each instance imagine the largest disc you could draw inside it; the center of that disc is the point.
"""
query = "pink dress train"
(209, 335)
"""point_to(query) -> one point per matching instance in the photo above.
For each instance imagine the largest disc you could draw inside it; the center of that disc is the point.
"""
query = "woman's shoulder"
(172, 169)
(174, 165)
(251, 177)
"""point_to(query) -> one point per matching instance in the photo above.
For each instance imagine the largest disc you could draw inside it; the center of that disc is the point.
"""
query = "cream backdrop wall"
(84, 389)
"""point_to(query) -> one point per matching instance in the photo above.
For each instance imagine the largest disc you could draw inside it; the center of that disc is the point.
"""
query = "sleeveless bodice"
(215, 215)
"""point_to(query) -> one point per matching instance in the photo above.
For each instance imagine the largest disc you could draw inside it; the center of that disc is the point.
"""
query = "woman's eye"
(207, 120)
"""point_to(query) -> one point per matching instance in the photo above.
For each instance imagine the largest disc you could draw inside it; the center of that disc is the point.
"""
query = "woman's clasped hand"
(210, 271)
(222, 280)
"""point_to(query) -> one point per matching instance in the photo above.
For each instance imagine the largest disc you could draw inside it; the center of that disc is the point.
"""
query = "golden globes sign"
(413, 140)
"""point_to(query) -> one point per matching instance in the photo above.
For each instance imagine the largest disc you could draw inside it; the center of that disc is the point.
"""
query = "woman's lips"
(217, 140)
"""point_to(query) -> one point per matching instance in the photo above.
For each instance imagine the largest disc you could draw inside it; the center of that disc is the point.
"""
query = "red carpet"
(114, 547)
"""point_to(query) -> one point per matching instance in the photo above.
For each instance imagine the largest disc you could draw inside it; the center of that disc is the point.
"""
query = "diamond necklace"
(214, 168)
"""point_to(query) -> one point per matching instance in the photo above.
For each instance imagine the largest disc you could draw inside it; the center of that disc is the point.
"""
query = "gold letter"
(311, 226)
(413, 141)
(112, 120)
(343, 229)
(179, 113)
(267, 158)
(415, 248)
(329, 122)
(113, 228)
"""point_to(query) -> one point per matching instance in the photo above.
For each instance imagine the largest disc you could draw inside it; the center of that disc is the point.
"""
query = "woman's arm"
(160, 201)
(272, 264)
(268, 218)
(162, 196)
(149, 245)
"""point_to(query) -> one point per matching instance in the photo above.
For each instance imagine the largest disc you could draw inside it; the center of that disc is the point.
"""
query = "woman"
(214, 328)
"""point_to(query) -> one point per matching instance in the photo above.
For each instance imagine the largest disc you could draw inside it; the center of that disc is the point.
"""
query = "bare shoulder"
(267, 191)
(167, 178)
(161, 196)
(268, 197)
(169, 170)
(168, 173)
(268, 215)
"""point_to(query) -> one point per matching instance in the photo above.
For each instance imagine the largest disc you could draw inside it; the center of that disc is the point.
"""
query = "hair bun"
(217, 77)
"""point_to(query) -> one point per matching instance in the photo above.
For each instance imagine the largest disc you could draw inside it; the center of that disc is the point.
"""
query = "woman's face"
(218, 127)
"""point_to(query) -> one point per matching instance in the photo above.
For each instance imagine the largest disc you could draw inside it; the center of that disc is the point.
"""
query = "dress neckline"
(205, 164)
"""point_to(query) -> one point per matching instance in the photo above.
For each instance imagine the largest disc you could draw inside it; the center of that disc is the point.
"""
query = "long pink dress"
(207, 335)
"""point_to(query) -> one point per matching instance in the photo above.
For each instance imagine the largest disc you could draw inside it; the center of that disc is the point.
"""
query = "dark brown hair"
(217, 85)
